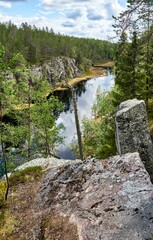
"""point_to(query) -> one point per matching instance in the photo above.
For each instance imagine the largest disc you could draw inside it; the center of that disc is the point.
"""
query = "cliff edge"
(109, 199)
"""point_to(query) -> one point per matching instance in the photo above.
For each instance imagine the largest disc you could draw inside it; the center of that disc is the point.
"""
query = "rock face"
(132, 133)
(56, 70)
(107, 200)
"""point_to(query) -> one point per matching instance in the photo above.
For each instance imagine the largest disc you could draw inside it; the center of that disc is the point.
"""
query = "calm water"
(86, 97)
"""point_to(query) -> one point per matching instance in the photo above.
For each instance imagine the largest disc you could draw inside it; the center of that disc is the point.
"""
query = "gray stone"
(47, 163)
(115, 207)
(132, 134)
(55, 70)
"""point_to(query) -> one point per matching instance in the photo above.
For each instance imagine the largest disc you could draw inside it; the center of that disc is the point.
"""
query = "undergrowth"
(27, 174)
(2, 193)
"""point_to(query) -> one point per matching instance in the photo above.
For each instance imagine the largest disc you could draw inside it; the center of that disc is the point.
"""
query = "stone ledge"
(108, 199)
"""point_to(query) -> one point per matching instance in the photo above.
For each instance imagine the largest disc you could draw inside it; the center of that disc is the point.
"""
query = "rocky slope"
(56, 70)
(108, 200)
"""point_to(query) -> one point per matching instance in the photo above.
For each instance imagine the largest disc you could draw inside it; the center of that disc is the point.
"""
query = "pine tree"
(24, 90)
(9, 135)
(46, 135)
(137, 18)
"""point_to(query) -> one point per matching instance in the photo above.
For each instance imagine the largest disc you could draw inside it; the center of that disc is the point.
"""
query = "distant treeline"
(38, 45)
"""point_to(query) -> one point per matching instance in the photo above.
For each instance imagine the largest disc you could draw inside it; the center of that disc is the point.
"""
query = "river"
(86, 97)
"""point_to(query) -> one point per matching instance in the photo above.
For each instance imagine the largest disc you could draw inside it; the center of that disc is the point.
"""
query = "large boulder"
(98, 199)
(132, 133)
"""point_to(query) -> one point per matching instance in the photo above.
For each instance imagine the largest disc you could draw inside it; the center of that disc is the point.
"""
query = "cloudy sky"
(81, 18)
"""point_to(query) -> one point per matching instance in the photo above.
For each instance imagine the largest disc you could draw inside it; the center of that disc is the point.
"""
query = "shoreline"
(105, 64)
(94, 72)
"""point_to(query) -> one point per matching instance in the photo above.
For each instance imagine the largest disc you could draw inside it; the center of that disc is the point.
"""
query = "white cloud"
(84, 13)
(5, 4)
(68, 24)
(73, 13)
(82, 18)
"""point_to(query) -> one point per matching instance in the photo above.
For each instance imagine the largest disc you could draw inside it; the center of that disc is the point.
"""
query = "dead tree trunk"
(76, 119)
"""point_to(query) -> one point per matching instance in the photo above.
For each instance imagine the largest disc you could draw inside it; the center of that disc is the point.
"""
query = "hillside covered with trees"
(38, 45)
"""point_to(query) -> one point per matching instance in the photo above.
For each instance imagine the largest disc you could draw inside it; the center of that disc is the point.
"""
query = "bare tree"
(73, 92)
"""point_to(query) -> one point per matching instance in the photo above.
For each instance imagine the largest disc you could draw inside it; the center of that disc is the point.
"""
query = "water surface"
(86, 97)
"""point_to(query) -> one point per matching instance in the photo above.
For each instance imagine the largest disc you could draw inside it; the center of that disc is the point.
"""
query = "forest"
(37, 45)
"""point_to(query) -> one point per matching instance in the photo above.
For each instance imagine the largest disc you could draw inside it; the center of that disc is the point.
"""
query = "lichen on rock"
(132, 133)
(55, 70)
(113, 202)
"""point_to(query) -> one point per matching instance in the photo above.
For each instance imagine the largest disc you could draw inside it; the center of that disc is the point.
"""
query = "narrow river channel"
(86, 97)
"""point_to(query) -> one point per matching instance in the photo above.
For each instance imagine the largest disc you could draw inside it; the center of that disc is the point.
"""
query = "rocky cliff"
(56, 70)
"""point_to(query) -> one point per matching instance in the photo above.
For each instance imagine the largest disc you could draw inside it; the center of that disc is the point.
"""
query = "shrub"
(99, 133)
(2, 193)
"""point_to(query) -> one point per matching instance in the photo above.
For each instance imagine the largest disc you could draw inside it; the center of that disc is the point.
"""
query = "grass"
(105, 64)
(8, 220)
(27, 174)
(2, 193)
(7, 225)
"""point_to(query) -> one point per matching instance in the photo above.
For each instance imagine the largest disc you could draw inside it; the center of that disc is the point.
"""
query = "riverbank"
(105, 64)
(94, 72)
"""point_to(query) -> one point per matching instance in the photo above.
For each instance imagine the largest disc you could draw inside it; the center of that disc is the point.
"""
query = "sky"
(80, 18)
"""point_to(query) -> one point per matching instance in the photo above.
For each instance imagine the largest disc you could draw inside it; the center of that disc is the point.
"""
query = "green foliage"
(25, 175)
(29, 125)
(46, 133)
(133, 68)
(99, 134)
(38, 45)
(2, 193)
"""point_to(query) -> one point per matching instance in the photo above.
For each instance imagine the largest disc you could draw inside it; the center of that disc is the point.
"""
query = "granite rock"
(108, 199)
(132, 134)
(55, 70)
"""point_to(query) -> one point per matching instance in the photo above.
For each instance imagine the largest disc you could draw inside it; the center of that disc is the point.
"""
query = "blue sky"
(82, 18)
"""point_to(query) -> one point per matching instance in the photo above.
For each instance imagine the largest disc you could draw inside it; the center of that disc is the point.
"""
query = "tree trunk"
(76, 119)
(3, 153)
(77, 122)
(6, 172)
(29, 121)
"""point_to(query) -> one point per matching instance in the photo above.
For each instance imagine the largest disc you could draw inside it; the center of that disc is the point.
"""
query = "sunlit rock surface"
(107, 200)
(132, 134)
(57, 69)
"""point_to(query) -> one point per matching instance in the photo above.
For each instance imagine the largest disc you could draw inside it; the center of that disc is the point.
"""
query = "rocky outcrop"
(132, 133)
(105, 199)
(56, 70)
(47, 163)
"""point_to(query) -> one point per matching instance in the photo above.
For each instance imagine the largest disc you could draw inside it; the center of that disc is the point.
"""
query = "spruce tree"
(46, 134)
